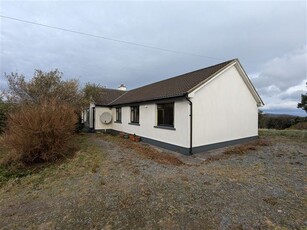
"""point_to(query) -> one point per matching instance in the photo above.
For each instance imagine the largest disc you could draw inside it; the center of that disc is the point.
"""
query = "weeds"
(270, 200)
(242, 149)
(214, 158)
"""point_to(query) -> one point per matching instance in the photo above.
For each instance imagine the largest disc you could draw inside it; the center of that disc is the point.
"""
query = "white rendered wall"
(224, 109)
(148, 119)
(98, 124)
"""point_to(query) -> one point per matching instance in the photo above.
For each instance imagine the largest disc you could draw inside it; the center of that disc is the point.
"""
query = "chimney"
(122, 87)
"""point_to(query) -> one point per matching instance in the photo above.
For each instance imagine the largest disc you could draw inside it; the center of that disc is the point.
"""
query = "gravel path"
(136, 186)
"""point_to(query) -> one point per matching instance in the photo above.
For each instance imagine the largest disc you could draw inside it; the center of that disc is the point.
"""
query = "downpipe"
(191, 124)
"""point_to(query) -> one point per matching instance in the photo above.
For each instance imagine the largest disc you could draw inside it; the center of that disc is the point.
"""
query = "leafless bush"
(40, 132)
(299, 126)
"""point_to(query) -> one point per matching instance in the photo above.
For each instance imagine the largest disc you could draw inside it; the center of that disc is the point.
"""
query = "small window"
(166, 114)
(118, 114)
(135, 112)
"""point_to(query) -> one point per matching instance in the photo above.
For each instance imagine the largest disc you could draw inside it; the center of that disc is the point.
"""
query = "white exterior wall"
(223, 109)
(98, 124)
(148, 119)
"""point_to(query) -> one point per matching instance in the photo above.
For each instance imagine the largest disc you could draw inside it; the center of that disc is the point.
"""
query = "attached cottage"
(194, 112)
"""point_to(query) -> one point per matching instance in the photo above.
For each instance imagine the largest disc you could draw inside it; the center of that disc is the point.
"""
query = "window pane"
(118, 114)
(160, 116)
(135, 114)
(166, 114)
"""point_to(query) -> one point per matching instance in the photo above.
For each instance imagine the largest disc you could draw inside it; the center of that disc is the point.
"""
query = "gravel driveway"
(129, 185)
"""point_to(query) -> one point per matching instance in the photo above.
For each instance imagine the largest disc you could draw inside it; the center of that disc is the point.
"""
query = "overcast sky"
(268, 37)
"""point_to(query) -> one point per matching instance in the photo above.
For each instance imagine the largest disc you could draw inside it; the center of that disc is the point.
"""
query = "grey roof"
(108, 95)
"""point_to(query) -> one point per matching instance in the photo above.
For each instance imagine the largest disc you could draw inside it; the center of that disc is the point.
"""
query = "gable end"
(242, 73)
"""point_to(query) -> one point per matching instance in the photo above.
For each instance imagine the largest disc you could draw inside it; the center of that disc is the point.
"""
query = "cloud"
(277, 105)
(283, 72)
(282, 80)
(254, 32)
(294, 92)
(284, 101)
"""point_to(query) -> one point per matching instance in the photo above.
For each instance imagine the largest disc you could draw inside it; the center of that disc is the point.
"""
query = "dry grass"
(245, 148)
(270, 200)
(215, 158)
(147, 151)
(110, 184)
(299, 135)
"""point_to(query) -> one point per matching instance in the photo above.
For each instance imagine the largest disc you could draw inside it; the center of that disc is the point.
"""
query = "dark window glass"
(135, 113)
(166, 114)
(118, 114)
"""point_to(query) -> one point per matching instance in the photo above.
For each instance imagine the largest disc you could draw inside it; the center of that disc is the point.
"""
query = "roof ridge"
(110, 103)
(113, 89)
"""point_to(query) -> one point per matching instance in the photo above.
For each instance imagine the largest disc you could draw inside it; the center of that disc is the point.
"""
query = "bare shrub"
(40, 132)
(299, 126)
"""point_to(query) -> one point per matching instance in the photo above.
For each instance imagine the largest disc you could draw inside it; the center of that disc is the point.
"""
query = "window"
(118, 114)
(135, 113)
(166, 114)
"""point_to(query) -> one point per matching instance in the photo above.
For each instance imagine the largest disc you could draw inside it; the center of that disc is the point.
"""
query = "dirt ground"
(113, 183)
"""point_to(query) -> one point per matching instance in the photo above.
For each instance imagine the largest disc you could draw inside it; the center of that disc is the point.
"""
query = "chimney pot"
(122, 87)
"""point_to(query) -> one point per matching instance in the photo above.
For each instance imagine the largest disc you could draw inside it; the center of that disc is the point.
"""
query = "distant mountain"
(278, 115)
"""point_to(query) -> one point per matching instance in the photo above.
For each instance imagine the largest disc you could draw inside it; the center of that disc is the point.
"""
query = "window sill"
(119, 122)
(164, 127)
(137, 124)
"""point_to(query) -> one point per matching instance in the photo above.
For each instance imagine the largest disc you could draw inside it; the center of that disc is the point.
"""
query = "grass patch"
(289, 133)
(7, 174)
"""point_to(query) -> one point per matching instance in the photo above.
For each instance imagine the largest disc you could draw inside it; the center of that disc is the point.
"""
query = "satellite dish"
(105, 118)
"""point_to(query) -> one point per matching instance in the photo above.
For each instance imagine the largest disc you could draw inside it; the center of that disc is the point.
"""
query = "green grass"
(297, 134)
(7, 174)
(87, 157)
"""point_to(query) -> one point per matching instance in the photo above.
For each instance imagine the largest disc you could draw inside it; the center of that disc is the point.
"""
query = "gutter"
(191, 124)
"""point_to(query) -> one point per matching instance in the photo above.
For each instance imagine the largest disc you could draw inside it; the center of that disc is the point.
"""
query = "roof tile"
(109, 95)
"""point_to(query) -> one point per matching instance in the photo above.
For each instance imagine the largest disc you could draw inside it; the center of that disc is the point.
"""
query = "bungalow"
(194, 112)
